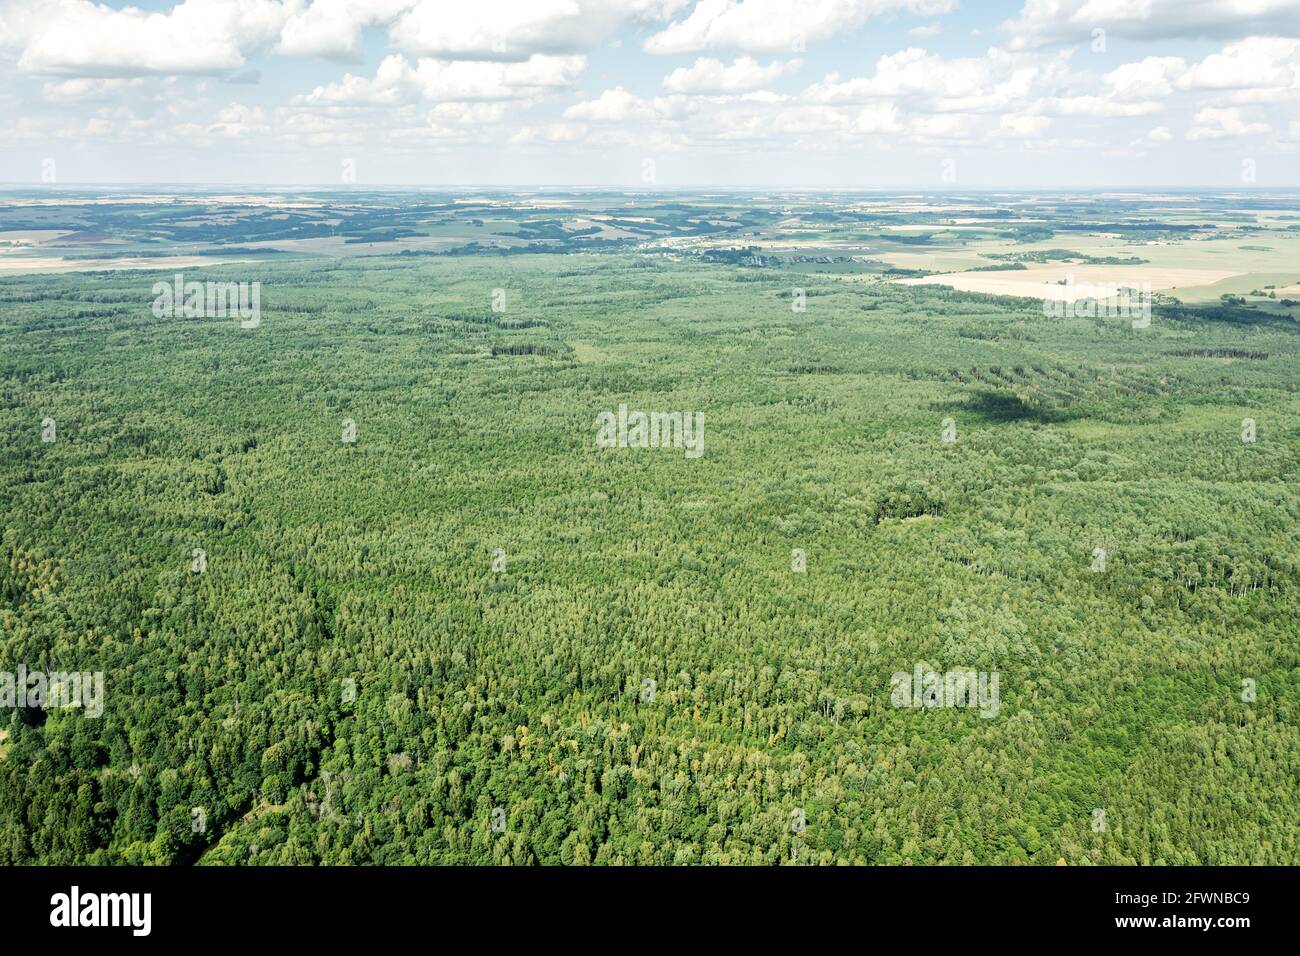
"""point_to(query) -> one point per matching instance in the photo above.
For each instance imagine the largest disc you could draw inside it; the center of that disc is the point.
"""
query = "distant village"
(750, 256)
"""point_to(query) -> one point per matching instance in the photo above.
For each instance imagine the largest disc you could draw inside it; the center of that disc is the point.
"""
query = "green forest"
(365, 590)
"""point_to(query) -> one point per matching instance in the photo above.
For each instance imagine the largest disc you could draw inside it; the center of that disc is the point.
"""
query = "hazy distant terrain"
(1195, 246)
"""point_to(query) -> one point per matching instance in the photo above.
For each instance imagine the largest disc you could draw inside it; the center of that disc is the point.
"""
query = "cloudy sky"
(852, 93)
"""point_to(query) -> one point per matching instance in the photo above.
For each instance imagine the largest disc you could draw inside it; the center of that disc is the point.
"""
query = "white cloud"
(1217, 123)
(1254, 70)
(332, 28)
(90, 39)
(744, 122)
(516, 29)
(550, 133)
(468, 114)
(713, 76)
(238, 121)
(877, 118)
(1023, 125)
(996, 81)
(612, 106)
(1097, 106)
(500, 72)
(1257, 62)
(1055, 21)
(777, 26)
(396, 81)
(88, 90)
(80, 38)
(1151, 78)
(944, 126)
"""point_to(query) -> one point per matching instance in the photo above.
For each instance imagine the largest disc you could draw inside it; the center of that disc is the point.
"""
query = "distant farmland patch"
(1047, 281)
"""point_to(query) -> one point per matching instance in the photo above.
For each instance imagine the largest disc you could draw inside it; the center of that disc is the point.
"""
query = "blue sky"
(829, 93)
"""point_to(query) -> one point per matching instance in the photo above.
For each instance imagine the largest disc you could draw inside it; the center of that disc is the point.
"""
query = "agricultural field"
(368, 582)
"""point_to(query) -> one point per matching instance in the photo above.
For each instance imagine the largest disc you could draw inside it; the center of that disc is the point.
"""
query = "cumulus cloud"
(83, 90)
(237, 121)
(550, 133)
(1257, 62)
(85, 38)
(1097, 106)
(332, 28)
(1257, 69)
(877, 118)
(397, 81)
(502, 72)
(969, 84)
(1223, 123)
(947, 126)
(516, 29)
(612, 106)
(1151, 78)
(1023, 125)
(713, 76)
(80, 38)
(1066, 21)
(777, 26)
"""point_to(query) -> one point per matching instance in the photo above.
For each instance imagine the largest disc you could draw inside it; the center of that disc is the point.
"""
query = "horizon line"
(636, 188)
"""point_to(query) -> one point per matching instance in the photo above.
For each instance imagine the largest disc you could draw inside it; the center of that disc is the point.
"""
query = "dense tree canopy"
(472, 608)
